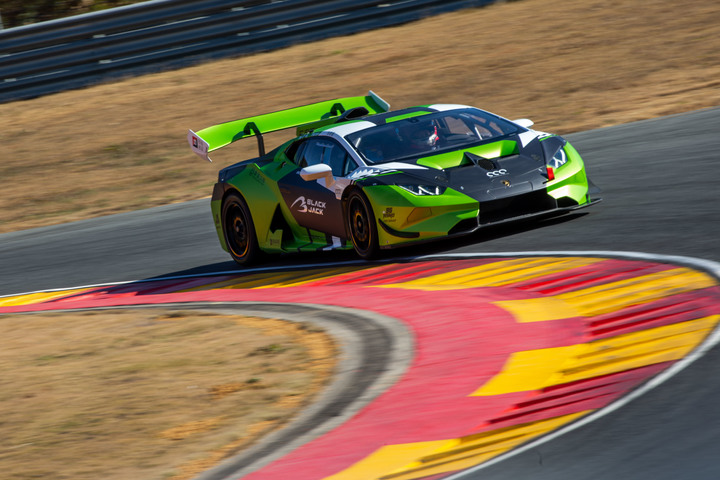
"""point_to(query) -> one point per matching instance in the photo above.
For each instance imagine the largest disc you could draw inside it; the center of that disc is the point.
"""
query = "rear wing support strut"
(252, 129)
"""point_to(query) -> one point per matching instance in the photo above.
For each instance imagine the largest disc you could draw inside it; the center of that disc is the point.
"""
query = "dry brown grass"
(569, 65)
(146, 393)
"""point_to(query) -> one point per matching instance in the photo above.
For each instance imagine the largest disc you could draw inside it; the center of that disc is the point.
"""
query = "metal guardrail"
(161, 35)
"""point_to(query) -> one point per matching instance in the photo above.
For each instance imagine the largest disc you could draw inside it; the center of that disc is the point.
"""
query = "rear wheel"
(361, 225)
(239, 230)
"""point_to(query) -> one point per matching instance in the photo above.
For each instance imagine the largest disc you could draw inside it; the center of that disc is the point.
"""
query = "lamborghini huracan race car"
(360, 176)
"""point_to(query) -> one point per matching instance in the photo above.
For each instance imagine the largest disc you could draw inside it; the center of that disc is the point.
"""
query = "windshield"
(429, 134)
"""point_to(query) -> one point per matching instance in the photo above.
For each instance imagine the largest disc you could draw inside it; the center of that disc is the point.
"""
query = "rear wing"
(218, 136)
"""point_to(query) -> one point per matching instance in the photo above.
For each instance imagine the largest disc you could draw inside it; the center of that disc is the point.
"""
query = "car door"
(315, 204)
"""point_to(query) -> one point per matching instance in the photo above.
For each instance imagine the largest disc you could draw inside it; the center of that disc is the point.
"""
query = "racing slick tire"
(239, 230)
(361, 226)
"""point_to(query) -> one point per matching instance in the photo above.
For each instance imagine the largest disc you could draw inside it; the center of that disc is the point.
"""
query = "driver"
(424, 137)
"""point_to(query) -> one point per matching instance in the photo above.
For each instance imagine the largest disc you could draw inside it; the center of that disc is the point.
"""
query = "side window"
(340, 161)
(314, 152)
(320, 150)
(295, 152)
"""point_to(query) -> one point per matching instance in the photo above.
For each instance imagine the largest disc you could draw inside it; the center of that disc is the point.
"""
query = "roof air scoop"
(353, 113)
(482, 162)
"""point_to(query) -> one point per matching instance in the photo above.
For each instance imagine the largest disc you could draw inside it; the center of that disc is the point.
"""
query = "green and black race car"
(360, 176)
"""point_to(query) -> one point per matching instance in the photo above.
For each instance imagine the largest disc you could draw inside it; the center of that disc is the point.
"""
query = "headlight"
(423, 189)
(559, 159)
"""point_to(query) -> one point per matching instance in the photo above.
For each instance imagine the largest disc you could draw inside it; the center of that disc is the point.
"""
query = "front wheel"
(239, 230)
(361, 225)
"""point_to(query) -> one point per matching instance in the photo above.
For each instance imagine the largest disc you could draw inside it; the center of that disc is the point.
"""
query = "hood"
(491, 171)
(459, 158)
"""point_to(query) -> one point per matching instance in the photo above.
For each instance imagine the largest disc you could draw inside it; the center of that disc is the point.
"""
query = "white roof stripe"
(442, 107)
(348, 128)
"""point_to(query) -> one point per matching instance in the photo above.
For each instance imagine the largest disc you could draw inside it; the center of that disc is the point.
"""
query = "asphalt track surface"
(660, 186)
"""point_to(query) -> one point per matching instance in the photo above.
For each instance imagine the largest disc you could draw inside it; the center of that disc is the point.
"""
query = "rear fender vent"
(278, 222)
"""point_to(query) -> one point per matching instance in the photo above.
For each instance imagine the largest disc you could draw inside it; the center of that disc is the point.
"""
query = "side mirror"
(316, 172)
(524, 122)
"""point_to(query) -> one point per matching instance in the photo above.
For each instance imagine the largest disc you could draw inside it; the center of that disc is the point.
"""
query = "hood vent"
(482, 162)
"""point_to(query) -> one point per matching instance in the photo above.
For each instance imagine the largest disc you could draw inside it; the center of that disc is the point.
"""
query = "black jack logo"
(309, 206)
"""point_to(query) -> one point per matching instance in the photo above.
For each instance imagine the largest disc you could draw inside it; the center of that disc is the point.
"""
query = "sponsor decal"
(309, 206)
(195, 142)
(388, 215)
(497, 173)
(530, 135)
(559, 159)
(256, 176)
(361, 173)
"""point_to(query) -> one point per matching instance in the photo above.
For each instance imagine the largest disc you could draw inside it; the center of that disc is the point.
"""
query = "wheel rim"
(236, 230)
(359, 225)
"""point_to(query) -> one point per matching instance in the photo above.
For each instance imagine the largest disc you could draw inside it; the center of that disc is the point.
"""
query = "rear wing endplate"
(218, 136)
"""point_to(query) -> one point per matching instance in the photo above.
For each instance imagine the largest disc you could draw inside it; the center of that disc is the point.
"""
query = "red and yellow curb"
(506, 349)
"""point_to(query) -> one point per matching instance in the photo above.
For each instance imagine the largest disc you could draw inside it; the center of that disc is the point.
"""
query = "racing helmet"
(424, 135)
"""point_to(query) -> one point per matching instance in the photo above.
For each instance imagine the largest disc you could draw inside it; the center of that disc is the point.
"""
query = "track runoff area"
(507, 350)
